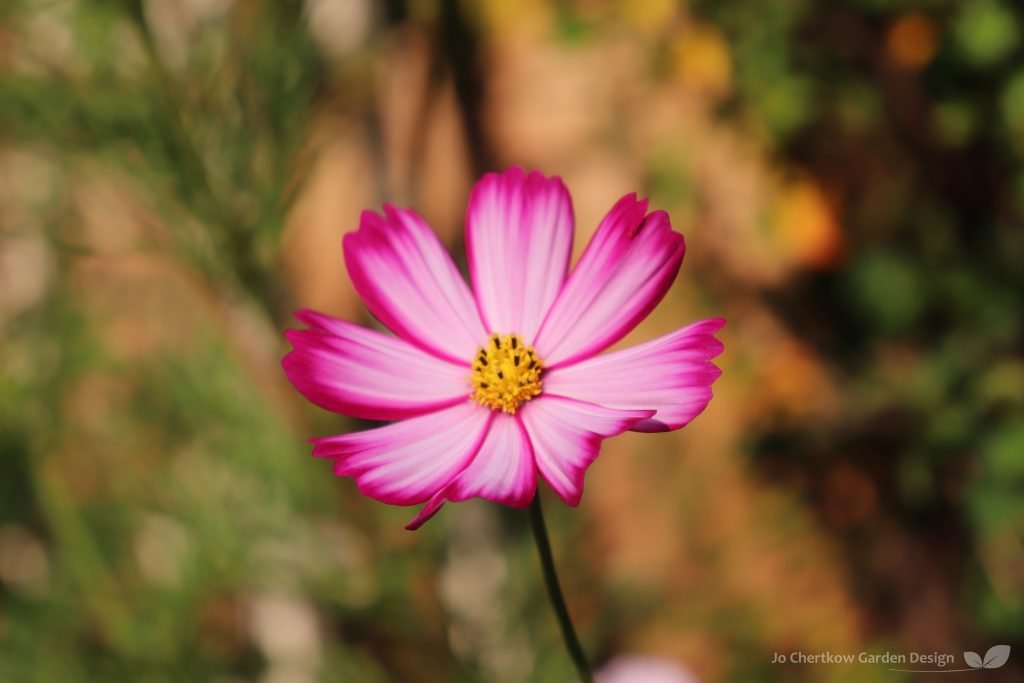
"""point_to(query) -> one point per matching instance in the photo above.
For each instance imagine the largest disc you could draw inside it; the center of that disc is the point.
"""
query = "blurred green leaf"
(1013, 104)
(986, 31)
(954, 122)
(889, 290)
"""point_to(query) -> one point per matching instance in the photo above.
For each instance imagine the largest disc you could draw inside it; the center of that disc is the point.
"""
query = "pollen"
(506, 373)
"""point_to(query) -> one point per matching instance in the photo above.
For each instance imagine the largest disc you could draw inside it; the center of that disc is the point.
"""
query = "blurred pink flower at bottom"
(641, 669)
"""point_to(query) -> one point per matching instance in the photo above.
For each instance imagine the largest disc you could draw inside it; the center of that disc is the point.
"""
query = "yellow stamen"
(505, 373)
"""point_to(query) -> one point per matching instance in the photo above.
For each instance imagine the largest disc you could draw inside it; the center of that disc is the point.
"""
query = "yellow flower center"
(505, 373)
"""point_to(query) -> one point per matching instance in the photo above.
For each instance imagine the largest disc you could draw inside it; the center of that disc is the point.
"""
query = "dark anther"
(484, 385)
(533, 363)
(515, 359)
(501, 375)
(483, 360)
(515, 342)
(497, 341)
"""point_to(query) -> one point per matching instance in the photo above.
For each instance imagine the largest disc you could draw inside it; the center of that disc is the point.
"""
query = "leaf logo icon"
(996, 656)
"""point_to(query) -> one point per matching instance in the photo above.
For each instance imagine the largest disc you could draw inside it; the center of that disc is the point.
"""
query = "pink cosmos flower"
(489, 389)
(644, 669)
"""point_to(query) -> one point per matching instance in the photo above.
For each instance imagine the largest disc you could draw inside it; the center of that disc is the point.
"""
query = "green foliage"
(212, 133)
(927, 160)
(889, 290)
(986, 31)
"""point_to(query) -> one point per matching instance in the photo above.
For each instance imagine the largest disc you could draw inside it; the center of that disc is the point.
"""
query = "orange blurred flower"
(912, 41)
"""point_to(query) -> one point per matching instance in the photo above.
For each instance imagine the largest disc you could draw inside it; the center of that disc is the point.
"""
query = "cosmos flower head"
(491, 389)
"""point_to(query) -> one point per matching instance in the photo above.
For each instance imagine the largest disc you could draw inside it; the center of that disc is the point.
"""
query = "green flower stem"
(547, 563)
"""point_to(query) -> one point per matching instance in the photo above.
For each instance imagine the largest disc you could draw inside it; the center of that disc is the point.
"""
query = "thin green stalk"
(547, 563)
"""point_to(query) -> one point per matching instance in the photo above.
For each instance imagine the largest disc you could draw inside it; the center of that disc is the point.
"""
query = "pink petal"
(502, 471)
(355, 371)
(623, 274)
(518, 238)
(644, 669)
(566, 435)
(407, 462)
(409, 282)
(671, 374)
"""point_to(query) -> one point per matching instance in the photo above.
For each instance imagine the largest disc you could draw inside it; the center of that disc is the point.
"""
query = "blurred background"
(175, 178)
